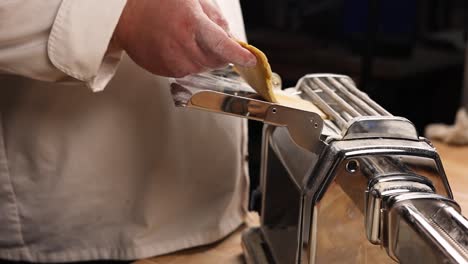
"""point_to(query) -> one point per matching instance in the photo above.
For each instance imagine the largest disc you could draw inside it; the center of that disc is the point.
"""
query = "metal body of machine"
(361, 187)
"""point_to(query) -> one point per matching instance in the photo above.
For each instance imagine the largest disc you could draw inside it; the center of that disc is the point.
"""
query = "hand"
(178, 37)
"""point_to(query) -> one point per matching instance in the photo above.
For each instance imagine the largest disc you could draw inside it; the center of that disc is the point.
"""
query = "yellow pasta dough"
(260, 79)
(260, 76)
(298, 103)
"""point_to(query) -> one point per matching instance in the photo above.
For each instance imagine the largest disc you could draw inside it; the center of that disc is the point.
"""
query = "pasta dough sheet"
(260, 79)
(296, 102)
(260, 76)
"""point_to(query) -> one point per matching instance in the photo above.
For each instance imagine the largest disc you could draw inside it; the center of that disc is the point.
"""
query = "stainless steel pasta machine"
(358, 187)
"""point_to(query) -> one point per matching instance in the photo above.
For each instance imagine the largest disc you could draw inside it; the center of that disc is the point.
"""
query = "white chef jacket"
(118, 174)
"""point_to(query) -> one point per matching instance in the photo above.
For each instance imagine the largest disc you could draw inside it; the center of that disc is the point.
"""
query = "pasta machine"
(358, 187)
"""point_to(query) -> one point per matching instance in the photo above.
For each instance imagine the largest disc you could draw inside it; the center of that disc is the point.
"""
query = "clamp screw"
(352, 166)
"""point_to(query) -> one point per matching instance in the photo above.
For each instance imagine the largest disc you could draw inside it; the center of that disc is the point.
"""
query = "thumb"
(214, 40)
(213, 12)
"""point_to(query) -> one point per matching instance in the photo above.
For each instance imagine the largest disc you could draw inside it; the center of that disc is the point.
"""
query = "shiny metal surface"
(377, 194)
(362, 187)
(380, 127)
(344, 217)
(430, 223)
(348, 83)
(339, 98)
(229, 97)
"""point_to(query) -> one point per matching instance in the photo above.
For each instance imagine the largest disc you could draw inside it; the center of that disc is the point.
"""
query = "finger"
(205, 58)
(184, 70)
(213, 40)
(179, 64)
(189, 51)
(211, 9)
(208, 60)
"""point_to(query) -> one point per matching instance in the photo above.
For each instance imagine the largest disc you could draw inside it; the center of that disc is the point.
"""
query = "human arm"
(188, 36)
(57, 40)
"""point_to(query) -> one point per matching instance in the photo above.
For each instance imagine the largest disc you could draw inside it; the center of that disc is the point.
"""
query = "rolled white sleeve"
(79, 40)
(60, 40)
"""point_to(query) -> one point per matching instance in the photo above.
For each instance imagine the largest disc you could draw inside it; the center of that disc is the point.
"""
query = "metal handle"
(413, 224)
(304, 127)
(405, 215)
(425, 228)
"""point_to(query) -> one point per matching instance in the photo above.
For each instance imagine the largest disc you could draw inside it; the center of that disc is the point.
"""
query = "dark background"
(408, 55)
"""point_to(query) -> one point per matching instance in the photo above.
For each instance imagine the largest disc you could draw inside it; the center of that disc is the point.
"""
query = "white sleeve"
(60, 40)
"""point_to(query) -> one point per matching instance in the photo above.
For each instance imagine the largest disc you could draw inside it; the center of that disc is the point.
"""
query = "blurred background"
(408, 55)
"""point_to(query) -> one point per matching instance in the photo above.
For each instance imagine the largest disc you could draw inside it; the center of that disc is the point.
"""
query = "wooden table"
(455, 161)
(229, 251)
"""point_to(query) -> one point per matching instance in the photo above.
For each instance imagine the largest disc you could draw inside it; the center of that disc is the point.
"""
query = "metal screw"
(274, 110)
(352, 166)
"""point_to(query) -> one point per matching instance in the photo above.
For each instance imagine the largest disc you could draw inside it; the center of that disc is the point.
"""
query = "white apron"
(120, 174)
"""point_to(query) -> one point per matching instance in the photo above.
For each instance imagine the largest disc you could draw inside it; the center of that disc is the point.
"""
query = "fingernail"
(251, 62)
